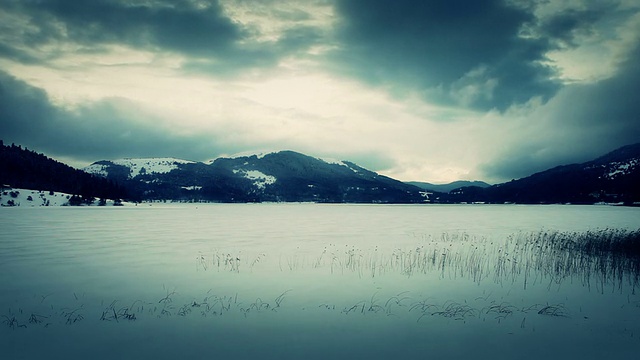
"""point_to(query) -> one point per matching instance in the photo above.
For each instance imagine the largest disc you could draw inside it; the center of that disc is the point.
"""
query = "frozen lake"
(312, 281)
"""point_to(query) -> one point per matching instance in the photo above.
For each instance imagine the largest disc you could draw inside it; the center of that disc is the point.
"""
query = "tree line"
(24, 168)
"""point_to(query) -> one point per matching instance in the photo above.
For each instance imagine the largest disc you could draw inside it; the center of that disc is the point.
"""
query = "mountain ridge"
(24, 168)
(278, 176)
(448, 186)
(610, 178)
(289, 176)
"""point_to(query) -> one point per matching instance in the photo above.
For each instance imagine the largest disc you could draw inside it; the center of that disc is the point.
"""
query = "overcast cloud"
(436, 90)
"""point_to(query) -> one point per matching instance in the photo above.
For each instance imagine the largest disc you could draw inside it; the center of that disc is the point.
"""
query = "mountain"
(445, 188)
(278, 176)
(26, 169)
(612, 178)
(291, 176)
(134, 167)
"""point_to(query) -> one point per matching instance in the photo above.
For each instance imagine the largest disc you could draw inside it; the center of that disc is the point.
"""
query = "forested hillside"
(23, 168)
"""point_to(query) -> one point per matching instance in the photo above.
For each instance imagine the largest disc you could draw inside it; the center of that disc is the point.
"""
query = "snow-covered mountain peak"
(138, 166)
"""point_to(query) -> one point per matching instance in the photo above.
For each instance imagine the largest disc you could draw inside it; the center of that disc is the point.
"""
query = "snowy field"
(310, 281)
(37, 198)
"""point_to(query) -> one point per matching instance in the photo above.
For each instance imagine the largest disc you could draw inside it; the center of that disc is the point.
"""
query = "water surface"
(301, 280)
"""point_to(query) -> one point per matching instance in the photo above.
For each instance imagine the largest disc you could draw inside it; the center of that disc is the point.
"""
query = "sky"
(433, 90)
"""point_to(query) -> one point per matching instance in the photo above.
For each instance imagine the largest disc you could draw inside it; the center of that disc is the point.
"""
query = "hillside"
(612, 178)
(279, 176)
(37, 198)
(293, 177)
(26, 169)
(445, 188)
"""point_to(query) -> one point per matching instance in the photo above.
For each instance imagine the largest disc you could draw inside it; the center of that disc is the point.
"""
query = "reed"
(71, 316)
(554, 310)
(606, 258)
(12, 322)
(402, 305)
(112, 312)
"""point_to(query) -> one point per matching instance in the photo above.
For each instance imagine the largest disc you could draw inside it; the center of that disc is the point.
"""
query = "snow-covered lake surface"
(305, 281)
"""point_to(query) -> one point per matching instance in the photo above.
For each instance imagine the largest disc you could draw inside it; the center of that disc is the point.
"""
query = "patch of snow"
(32, 198)
(332, 161)
(425, 194)
(260, 180)
(37, 198)
(140, 166)
(97, 169)
(263, 154)
(621, 168)
(259, 155)
(612, 203)
(152, 165)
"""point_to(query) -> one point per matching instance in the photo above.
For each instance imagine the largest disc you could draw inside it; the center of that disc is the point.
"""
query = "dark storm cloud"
(9, 52)
(563, 26)
(22, 108)
(293, 40)
(106, 129)
(174, 25)
(208, 39)
(590, 119)
(443, 46)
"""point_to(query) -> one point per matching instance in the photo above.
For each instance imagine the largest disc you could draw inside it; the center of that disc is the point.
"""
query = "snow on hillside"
(333, 161)
(140, 166)
(96, 169)
(338, 162)
(36, 198)
(260, 155)
(616, 169)
(244, 154)
(260, 180)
